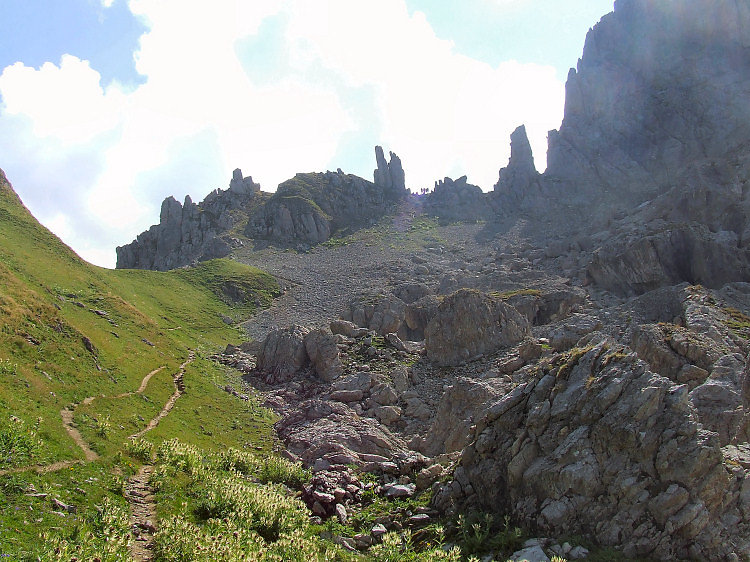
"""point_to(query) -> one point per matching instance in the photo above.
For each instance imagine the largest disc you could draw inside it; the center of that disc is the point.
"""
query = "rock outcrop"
(309, 208)
(468, 324)
(519, 186)
(389, 175)
(595, 443)
(305, 210)
(190, 232)
(651, 150)
(457, 200)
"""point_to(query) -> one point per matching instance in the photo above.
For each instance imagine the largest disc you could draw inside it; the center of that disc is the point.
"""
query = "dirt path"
(75, 435)
(139, 492)
(140, 495)
(179, 389)
(40, 468)
(67, 421)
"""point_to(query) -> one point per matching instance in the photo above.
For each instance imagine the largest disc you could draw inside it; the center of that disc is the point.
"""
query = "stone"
(378, 530)
(395, 341)
(457, 411)
(348, 329)
(360, 381)
(283, 354)
(399, 490)
(530, 554)
(347, 395)
(190, 232)
(518, 185)
(384, 395)
(469, 323)
(578, 553)
(555, 453)
(457, 200)
(341, 514)
(389, 175)
(323, 351)
(242, 185)
(382, 313)
(387, 415)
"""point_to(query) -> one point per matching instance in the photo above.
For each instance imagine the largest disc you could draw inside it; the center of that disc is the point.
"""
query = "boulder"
(283, 354)
(468, 324)
(323, 351)
(383, 313)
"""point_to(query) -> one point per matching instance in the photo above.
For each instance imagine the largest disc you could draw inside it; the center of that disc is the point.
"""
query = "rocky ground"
(644, 394)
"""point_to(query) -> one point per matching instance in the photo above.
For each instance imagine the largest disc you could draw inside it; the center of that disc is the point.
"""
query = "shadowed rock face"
(389, 175)
(651, 154)
(310, 207)
(659, 88)
(189, 232)
(457, 200)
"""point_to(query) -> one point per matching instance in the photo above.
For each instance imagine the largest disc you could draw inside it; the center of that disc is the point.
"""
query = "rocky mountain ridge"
(305, 210)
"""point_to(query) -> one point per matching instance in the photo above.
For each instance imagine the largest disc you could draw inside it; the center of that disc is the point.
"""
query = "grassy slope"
(70, 330)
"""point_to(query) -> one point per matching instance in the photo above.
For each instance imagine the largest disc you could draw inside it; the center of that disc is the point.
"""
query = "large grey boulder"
(468, 324)
(283, 354)
(322, 349)
(383, 313)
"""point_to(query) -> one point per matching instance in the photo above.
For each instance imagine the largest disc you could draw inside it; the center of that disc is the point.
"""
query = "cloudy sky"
(108, 106)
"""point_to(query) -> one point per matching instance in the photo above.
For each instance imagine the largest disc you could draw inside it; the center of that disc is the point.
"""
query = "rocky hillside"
(578, 362)
(304, 211)
(556, 368)
(651, 162)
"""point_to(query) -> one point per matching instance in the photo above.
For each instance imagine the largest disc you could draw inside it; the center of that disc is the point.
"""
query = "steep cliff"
(189, 232)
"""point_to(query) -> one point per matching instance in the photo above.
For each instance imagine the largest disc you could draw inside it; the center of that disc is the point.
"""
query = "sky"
(109, 106)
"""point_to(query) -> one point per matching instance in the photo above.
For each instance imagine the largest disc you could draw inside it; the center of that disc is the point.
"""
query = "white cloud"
(112, 156)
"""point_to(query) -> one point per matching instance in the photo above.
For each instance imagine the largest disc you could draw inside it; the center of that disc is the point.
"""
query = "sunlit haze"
(108, 106)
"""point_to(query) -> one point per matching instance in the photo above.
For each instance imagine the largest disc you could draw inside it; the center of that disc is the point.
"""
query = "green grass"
(69, 331)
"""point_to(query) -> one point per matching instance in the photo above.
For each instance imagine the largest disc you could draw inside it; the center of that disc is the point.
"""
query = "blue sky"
(108, 106)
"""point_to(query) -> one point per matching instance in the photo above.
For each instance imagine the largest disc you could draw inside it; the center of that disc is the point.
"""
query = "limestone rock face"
(323, 352)
(706, 356)
(242, 186)
(460, 404)
(519, 185)
(646, 105)
(389, 175)
(283, 354)
(189, 232)
(636, 263)
(305, 210)
(599, 445)
(309, 208)
(457, 200)
(468, 324)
